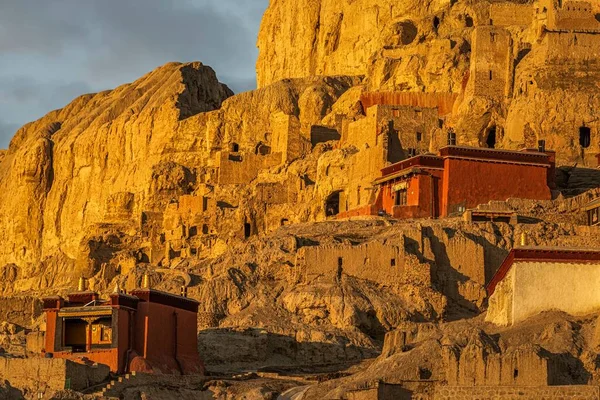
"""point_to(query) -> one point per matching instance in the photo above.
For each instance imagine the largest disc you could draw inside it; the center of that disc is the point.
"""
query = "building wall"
(50, 374)
(475, 365)
(468, 183)
(516, 393)
(423, 199)
(384, 137)
(108, 357)
(443, 102)
(511, 14)
(500, 303)
(242, 168)
(165, 326)
(558, 47)
(491, 63)
(574, 16)
(125, 320)
(384, 263)
(287, 137)
(543, 286)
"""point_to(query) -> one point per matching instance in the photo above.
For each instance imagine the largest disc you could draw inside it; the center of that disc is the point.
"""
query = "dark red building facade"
(144, 331)
(461, 178)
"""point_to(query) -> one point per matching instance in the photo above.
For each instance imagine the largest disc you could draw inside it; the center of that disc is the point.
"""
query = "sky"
(52, 51)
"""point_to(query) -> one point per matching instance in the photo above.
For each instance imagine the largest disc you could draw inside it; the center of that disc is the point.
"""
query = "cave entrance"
(469, 21)
(490, 141)
(585, 137)
(332, 204)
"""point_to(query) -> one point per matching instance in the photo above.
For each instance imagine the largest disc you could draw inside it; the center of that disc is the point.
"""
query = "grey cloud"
(55, 50)
(23, 90)
(7, 130)
(126, 36)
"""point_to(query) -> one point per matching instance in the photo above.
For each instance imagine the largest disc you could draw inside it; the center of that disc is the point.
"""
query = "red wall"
(51, 317)
(170, 342)
(472, 182)
(421, 196)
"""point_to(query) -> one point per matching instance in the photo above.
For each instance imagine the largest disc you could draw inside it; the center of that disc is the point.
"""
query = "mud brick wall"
(521, 393)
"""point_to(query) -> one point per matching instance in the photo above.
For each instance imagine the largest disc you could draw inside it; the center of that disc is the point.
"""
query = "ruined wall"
(511, 14)
(287, 137)
(444, 102)
(574, 16)
(50, 374)
(570, 47)
(383, 138)
(408, 127)
(490, 63)
(478, 364)
(242, 168)
(382, 262)
(516, 393)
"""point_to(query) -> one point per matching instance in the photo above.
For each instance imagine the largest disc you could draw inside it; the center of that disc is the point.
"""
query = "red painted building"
(460, 178)
(144, 331)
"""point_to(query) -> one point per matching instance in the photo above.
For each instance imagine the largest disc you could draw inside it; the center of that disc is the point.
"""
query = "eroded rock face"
(510, 62)
(60, 172)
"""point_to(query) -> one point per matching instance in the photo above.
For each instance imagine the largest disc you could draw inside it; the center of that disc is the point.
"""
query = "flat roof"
(498, 155)
(433, 161)
(165, 298)
(421, 160)
(544, 254)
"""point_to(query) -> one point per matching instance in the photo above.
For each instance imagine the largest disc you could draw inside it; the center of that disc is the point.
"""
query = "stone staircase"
(115, 387)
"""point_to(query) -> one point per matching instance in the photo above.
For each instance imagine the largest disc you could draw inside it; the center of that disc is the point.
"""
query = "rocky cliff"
(240, 198)
(440, 46)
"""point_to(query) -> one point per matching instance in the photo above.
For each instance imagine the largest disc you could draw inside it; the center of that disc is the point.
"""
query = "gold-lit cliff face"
(305, 216)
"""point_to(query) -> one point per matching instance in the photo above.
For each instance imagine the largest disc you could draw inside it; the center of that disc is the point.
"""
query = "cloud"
(7, 130)
(53, 51)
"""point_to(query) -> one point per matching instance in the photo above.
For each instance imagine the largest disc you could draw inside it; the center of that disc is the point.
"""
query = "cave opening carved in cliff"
(585, 137)
(490, 140)
(332, 204)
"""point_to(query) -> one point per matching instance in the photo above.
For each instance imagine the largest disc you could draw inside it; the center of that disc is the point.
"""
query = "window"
(247, 230)
(585, 137)
(235, 147)
(205, 229)
(393, 262)
(419, 136)
(204, 203)
(491, 75)
(193, 231)
(401, 197)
